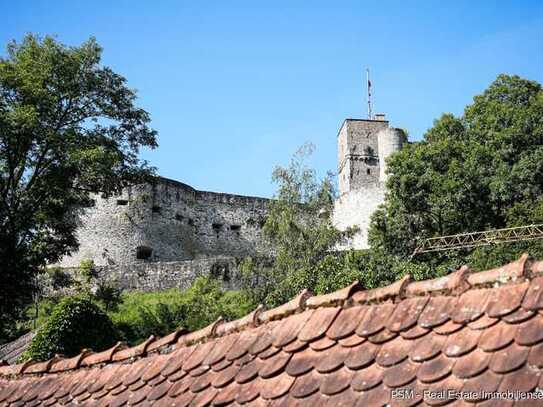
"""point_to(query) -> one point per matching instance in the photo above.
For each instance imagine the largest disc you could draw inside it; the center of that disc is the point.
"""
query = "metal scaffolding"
(476, 239)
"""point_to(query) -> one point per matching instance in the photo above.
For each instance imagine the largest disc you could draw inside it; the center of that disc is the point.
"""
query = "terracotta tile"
(533, 299)
(483, 322)
(322, 344)
(176, 360)
(204, 398)
(361, 355)
(268, 353)
(435, 369)
(448, 328)
(222, 346)
(159, 391)
(400, 374)
(383, 336)
(249, 371)
(461, 342)
(134, 351)
(295, 346)
(227, 395)
(455, 283)
(472, 364)
(306, 385)
(139, 395)
(184, 399)
(524, 380)
(249, 321)
(317, 325)
(506, 299)
(376, 397)
(437, 392)
(225, 376)
(335, 298)
(393, 291)
(201, 382)
(223, 364)
(177, 376)
(406, 396)
(394, 352)
(535, 355)
(200, 353)
(509, 272)
(287, 330)
(471, 305)
(437, 311)
(530, 332)
(346, 398)
(156, 365)
(332, 359)
(335, 382)
(427, 347)
(487, 381)
(181, 387)
(497, 337)
(265, 338)
(351, 341)
(302, 362)
(196, 372)
(276, 386)
(518, 316)
(495, 403)
(249, 391)
(346, 322)
(243, 344)
(274, 365)
(374, 319)
(367, 378)
(415, 332)
(295, 305)
(508, 359)
(406, 314)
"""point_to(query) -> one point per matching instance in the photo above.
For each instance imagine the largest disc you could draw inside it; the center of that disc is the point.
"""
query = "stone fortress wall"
(168, 222)
(363, 146)
(164, 235)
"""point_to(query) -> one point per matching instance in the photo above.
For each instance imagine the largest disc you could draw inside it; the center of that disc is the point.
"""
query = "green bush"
(75, 323)
(141, 314)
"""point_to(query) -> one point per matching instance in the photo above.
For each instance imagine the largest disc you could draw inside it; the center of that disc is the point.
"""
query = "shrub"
(75, 323)
(141, 314)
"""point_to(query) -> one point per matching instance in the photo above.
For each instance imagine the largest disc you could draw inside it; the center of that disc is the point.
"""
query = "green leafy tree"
(68, 126)
(300, 230)
(480, 171)
(75, 323)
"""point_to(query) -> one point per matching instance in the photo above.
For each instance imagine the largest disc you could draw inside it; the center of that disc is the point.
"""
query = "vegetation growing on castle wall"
(55, 148)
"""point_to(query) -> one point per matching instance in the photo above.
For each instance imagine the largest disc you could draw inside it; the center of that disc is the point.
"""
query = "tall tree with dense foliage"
(68, 126)
(480, 171)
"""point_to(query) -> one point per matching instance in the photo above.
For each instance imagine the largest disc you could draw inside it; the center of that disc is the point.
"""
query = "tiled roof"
(11, 351)
(465, 332)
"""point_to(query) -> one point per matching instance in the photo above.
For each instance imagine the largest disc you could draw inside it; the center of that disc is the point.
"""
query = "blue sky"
(235, 87)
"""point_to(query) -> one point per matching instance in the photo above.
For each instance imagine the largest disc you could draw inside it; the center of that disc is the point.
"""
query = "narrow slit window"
(122, 202)
(144, 252)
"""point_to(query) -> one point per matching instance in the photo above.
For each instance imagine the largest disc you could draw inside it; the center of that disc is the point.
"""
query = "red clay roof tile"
(349, 348)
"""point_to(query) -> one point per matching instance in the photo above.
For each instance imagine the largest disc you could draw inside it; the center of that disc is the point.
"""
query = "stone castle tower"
(363, 146)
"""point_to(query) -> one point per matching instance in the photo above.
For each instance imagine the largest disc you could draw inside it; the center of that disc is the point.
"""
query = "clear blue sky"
(235, 87)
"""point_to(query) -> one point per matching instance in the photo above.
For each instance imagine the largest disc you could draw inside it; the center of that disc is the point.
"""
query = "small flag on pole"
(369, 94)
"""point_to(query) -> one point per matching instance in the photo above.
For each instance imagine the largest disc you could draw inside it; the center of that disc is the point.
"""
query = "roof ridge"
(456, 283)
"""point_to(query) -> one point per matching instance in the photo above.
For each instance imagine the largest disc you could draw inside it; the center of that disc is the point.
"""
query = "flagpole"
(368, 83)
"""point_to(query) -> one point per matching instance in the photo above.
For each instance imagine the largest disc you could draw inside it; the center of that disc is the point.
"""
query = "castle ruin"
(164, 234)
